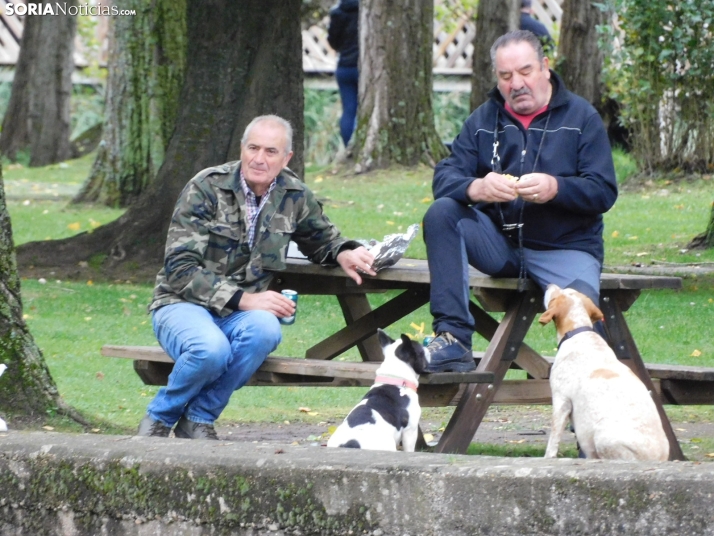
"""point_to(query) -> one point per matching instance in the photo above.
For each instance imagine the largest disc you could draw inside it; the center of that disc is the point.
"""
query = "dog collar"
(573, 333)
(399, 382)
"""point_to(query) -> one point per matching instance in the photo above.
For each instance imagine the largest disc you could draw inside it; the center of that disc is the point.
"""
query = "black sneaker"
(148, 427)
(449, 355)
(186, 429)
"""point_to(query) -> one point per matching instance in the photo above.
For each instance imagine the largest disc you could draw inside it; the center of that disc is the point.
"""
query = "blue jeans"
(214, 356)
(347, 81)
(457, 236)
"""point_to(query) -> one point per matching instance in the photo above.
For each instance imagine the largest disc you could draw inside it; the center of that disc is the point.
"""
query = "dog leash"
(572, 333)
(507, 227)
(399, 382)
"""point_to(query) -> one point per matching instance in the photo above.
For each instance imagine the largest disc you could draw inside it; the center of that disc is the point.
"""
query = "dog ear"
(384, 339)
(593, 311)
(412, 353)
(554, 308)
(546, 317)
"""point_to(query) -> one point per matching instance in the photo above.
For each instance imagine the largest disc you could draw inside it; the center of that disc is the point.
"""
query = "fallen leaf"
(517, 441)
(681, 429)
(709, 455)
(695, 353)
(632, 238)
(100, 375)
(76, 226)
(419, 327)
(426, 200)
(47, 428)
(312, 413)
(331, 429)
(428, 438)
(319, 179)
(90, 283)
(615, 234)
(304, 409)
(96, 430)
(390, 222)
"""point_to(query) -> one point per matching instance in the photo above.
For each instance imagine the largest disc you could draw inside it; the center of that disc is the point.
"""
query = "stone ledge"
(62, 484)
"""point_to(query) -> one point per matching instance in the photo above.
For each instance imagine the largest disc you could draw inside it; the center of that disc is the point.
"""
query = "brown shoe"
(186, 429)
(148, 427)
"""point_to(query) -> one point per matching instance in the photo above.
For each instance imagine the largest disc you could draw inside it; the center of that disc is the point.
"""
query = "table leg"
(366, 325)
(355, 306)
(501, 352)
(623, 344)
(528, 359)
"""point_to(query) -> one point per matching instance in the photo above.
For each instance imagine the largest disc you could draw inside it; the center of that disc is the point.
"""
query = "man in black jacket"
(535, 26)
(343, 36)
(522, 194)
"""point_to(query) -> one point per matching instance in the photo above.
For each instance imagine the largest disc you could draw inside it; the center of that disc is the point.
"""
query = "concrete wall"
(76, 485)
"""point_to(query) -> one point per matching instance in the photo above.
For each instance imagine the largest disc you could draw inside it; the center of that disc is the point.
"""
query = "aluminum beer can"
(291, 295)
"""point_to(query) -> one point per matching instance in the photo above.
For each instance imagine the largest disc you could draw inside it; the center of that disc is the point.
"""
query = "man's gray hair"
(517, 36)
(274, 119)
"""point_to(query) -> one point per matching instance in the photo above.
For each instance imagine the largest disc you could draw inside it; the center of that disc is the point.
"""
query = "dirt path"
(503, 425)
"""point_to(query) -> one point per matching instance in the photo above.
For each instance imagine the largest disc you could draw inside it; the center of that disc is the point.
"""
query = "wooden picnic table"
(474, 392)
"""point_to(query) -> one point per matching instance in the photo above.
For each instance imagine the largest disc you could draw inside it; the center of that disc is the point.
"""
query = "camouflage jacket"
(207, 258)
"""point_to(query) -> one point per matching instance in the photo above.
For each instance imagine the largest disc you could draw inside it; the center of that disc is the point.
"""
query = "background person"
(548, 225)
(533, 25)
(212, 311)
(343, 36)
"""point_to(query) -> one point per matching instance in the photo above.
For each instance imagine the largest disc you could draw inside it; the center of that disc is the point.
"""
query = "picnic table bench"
(472, 393)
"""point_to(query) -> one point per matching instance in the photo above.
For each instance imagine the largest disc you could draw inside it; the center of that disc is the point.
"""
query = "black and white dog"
(389, 413)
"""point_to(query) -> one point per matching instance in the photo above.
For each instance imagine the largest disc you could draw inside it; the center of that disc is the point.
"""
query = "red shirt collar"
(525, 120)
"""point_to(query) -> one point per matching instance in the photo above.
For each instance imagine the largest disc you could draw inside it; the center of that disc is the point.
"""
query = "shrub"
(662, 73)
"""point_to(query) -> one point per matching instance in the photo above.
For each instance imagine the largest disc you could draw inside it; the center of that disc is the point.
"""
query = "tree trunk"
(395, 122)
(579, 57)
(704, 240)
(147, 56)
(245, 59)
(493, 19)
(38, 114)
(26, 387)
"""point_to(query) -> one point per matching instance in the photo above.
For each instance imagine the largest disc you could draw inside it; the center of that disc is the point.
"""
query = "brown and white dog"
(613, 413)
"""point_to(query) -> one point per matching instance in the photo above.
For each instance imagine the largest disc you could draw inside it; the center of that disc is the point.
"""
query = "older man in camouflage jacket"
(211, 311)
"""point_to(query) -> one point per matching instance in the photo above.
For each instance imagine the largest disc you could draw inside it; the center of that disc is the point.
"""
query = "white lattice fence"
(452, 49)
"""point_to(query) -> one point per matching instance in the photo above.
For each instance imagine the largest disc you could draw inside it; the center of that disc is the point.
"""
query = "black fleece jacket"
(576, 151)
(343, 33)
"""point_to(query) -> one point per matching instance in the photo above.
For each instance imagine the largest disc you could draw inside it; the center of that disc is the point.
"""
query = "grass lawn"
(72, 320)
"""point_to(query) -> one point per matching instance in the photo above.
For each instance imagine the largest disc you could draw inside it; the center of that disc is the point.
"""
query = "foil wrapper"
(391, 248)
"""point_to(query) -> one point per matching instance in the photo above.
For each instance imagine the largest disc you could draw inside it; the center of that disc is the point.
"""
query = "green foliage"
(448, 12)
(322, 117)
(322, 132)
(450, 111)
(87, 108)
(625, 165)
(661, 74)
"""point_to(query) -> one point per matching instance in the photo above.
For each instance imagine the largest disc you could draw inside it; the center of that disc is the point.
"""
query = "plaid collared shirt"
(252, 208)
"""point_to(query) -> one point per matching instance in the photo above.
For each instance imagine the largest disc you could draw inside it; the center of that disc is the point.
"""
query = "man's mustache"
(518, 92)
